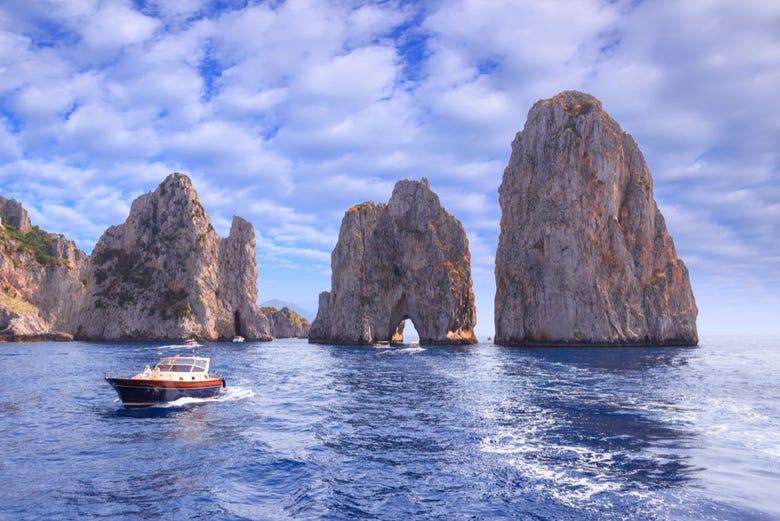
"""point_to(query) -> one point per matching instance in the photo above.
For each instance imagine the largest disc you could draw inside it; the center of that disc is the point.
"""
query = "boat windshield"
(183, 365)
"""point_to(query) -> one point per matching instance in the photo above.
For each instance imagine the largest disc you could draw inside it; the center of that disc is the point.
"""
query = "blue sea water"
(334, 432)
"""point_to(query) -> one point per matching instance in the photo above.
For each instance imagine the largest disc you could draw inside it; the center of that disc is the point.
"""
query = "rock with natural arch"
(407, 259)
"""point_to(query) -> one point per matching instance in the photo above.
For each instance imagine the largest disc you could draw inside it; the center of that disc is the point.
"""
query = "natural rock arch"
(398, 320)
(408, 258)
(237, 323)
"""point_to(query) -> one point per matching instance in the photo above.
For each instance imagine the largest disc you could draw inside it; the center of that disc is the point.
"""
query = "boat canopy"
(183, 364)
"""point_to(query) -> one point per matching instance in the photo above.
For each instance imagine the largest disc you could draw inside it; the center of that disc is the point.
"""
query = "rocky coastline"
(164, 274)
(583, 259)
(41, 278)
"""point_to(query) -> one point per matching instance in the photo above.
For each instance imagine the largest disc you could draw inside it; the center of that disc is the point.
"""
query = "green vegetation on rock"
(36, 243)
(16, 305)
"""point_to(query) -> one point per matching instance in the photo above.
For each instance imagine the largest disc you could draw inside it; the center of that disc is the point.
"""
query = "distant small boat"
(173, 377)
(381, 343)
(238, 338)
(190, 342)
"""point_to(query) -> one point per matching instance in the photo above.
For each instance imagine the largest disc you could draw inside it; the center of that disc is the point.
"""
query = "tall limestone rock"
(408, 259)
(165, 274)
(41, 279)
(584, 256)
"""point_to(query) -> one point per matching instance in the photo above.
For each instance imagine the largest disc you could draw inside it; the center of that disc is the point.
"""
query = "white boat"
(173, 377)
(238, 338)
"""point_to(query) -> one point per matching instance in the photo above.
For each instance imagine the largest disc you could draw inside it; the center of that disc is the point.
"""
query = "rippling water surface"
(333, 432)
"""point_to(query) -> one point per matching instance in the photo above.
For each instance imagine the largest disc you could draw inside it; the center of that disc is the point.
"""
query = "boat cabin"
(183, 364)
(178, 368)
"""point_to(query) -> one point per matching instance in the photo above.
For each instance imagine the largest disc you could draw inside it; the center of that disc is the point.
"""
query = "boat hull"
(144, 393)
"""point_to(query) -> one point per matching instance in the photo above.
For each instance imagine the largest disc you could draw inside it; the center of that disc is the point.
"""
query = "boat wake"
(183, 402)
(234, 393)
(400, 349)
(571, 473)
(230, 394)
(168, 347)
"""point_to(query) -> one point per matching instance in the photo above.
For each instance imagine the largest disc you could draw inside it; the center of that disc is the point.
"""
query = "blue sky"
(288, 113)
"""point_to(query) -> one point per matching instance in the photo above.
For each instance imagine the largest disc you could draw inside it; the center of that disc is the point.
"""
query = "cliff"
(286, 323)
(41, 279)
(408, 259)
(584, 256)
(165, 274)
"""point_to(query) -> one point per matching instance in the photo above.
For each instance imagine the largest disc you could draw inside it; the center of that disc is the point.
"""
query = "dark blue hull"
(144, 393)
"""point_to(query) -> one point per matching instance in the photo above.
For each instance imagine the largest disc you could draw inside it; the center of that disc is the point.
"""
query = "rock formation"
(408, 259)
(15, 215)
(584, 256)
(166, 274)
(286, 323)
(41, 279)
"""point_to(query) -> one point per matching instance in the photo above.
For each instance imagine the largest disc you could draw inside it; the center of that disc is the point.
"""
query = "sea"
(397, 433)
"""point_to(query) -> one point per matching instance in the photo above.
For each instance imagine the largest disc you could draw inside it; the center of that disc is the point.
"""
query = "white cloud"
(9, 149)
(176, 12)
(352, 81)
(369, 22)
(96, 130)
(295, 36)
(114, 25)
(274, 254)
(42, 104)
(241, 102)
(705, 238)
(49, 178)
(231, 152)
(279, 213)
(364, 137)
(522, 39)
(21, 65)
(294, 234)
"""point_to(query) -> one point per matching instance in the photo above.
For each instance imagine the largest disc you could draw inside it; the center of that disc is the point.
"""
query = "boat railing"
(115, 374)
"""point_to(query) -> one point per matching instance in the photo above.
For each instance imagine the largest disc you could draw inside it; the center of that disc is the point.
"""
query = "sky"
(289, 112)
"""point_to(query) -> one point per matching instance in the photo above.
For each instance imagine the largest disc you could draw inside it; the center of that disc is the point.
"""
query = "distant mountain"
(286, 323)
(279, 304)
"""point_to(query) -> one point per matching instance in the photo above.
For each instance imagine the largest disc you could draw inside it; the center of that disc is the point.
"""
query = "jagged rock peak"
(584, 256)
(166, 274)
(574, 102)
(407, 259)
(13, 213)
